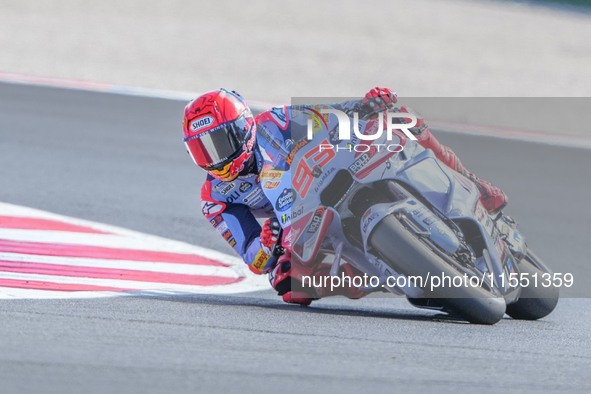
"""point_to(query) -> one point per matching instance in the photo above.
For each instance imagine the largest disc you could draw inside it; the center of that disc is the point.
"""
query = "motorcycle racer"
(223, 138)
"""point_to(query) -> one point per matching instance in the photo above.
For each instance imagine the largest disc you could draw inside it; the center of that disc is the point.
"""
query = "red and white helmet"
(219, 133)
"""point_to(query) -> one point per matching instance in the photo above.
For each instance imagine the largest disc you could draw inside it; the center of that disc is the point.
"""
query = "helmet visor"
(214, 147)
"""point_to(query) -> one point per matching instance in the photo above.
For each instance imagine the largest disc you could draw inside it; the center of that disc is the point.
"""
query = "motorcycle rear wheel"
(535, 302)
(407, 254)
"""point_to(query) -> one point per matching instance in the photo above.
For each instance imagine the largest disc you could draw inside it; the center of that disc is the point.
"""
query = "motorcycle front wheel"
(407, 254)
(535, 302)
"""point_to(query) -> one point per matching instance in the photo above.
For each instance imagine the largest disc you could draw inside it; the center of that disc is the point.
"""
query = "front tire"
(408, 255)
(535, 302)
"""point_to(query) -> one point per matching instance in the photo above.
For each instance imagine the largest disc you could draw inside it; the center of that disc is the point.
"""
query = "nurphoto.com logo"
(344, 121)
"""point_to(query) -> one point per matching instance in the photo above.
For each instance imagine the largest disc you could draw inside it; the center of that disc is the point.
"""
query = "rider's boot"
(286, 277)
(281, 279)
(493, 198)
(344, 289)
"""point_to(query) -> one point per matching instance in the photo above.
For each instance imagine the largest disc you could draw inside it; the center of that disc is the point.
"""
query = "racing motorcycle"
(405, 219)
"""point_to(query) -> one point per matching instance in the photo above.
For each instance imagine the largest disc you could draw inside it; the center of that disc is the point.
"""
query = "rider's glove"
(379, 99)
(270, 237)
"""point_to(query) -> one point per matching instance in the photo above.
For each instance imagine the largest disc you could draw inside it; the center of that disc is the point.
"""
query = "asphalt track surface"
(119, 160)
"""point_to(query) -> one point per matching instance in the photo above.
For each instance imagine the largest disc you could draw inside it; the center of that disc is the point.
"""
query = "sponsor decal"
(369, 149)
(505, 230)
(287, 217)
(201, 123)
(516, 236)
(222, 227)
(271, 175)
(232, 242)
(256, 200)
(216, 220)
(297, 211)
(359, 163)
(316, 220)
(324, 177)
(244, 187)
(287, 144)
(366, 214)
(210, 208)
(232, 197)
(317, 171)
(227, 235)
(333, 136)
(252, 195)
(271, 184)
(260, 261)
(287, 237)
(278, 115)
(509, 269)
(238, 163)
(295, 150)
(368, 217)
(320, 119)
(226, 188)
(285, 200)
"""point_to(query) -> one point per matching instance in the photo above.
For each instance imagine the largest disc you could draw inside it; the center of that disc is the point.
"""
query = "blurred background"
(275, 50)
(120, 160)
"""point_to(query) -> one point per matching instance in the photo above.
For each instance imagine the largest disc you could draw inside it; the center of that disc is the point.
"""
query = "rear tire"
(408, 255)
(534, 302)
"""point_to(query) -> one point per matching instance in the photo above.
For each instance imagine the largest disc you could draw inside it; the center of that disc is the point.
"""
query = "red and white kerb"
(44, 255)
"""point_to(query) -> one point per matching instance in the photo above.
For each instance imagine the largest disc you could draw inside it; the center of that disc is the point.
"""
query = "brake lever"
(277, 250)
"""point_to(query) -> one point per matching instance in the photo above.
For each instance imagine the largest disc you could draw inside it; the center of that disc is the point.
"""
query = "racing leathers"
(233, 207)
